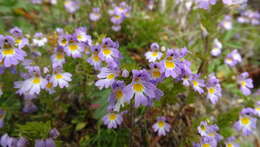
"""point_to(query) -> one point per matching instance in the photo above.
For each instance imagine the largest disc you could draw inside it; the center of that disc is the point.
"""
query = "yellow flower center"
(203, 128)
(169, 64)
(161, 124)
(58, 76)
(36, 80)
(118, 94)
(111, 76)
(18, 41)
(138, 87)
(95, 58)
(117, 16)
(73, 47)
(211, 90)
(49, 85)
(245, 120)
(206, 145)
(195, 83)
(156, 74)
(243, 83)
(257, 109)
(60, 56)
(106, 51)
(229, 145)
(112, 116)
(154, 54)
(79, 37)
(7, 52)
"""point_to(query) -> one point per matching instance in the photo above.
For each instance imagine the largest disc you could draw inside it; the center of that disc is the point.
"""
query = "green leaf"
(80, 126)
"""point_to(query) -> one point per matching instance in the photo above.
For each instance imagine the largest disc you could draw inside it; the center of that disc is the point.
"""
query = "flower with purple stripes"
(246, 123)
(10, 55)
(141, 89)
(171, 64)
(197, 83)
(161, 126)
(214, 89)
(245, 83)
(233, 58)
(113, 120)
(117, 97)
(154, 54)
(106, 77)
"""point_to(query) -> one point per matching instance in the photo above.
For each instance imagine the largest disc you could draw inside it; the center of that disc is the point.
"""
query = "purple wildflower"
(156, 73)
(217, 47)
(249, 16)
(142, 90)
(54, 133)
(113, 120)
(205, 4)
(94, 59)
(72, 5)
(106, 77)
(60, 79)
(197, 83)
(226, 23)
(95, 14)
(82, 36)
(39, 39)
(118, 96)
(74, 48)
(171, 64)
(233, 58)
(214, 89)
(245, 83)
(109, 51)
(161, 126)
(58, 58)
(154, 54)
(246, 123)
(33, 84)
(10, 55)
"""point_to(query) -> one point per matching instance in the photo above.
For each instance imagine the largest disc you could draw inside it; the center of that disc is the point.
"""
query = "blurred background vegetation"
(77, 111)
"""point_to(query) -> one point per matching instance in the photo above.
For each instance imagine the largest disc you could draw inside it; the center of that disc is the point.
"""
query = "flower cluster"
(7, 141)
(209, 135)
(118, 14)
(249, 17)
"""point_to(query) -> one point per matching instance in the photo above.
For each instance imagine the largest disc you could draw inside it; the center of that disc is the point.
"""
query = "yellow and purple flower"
(95, 14)
(245, 83)
(233, 58)
(118, 97)
(142, 89)
(106, 77)
(213, 88)
(246, 123)
(161, 126)
(154, 54)
(9, 54)
(33, 84)
(113, 120)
